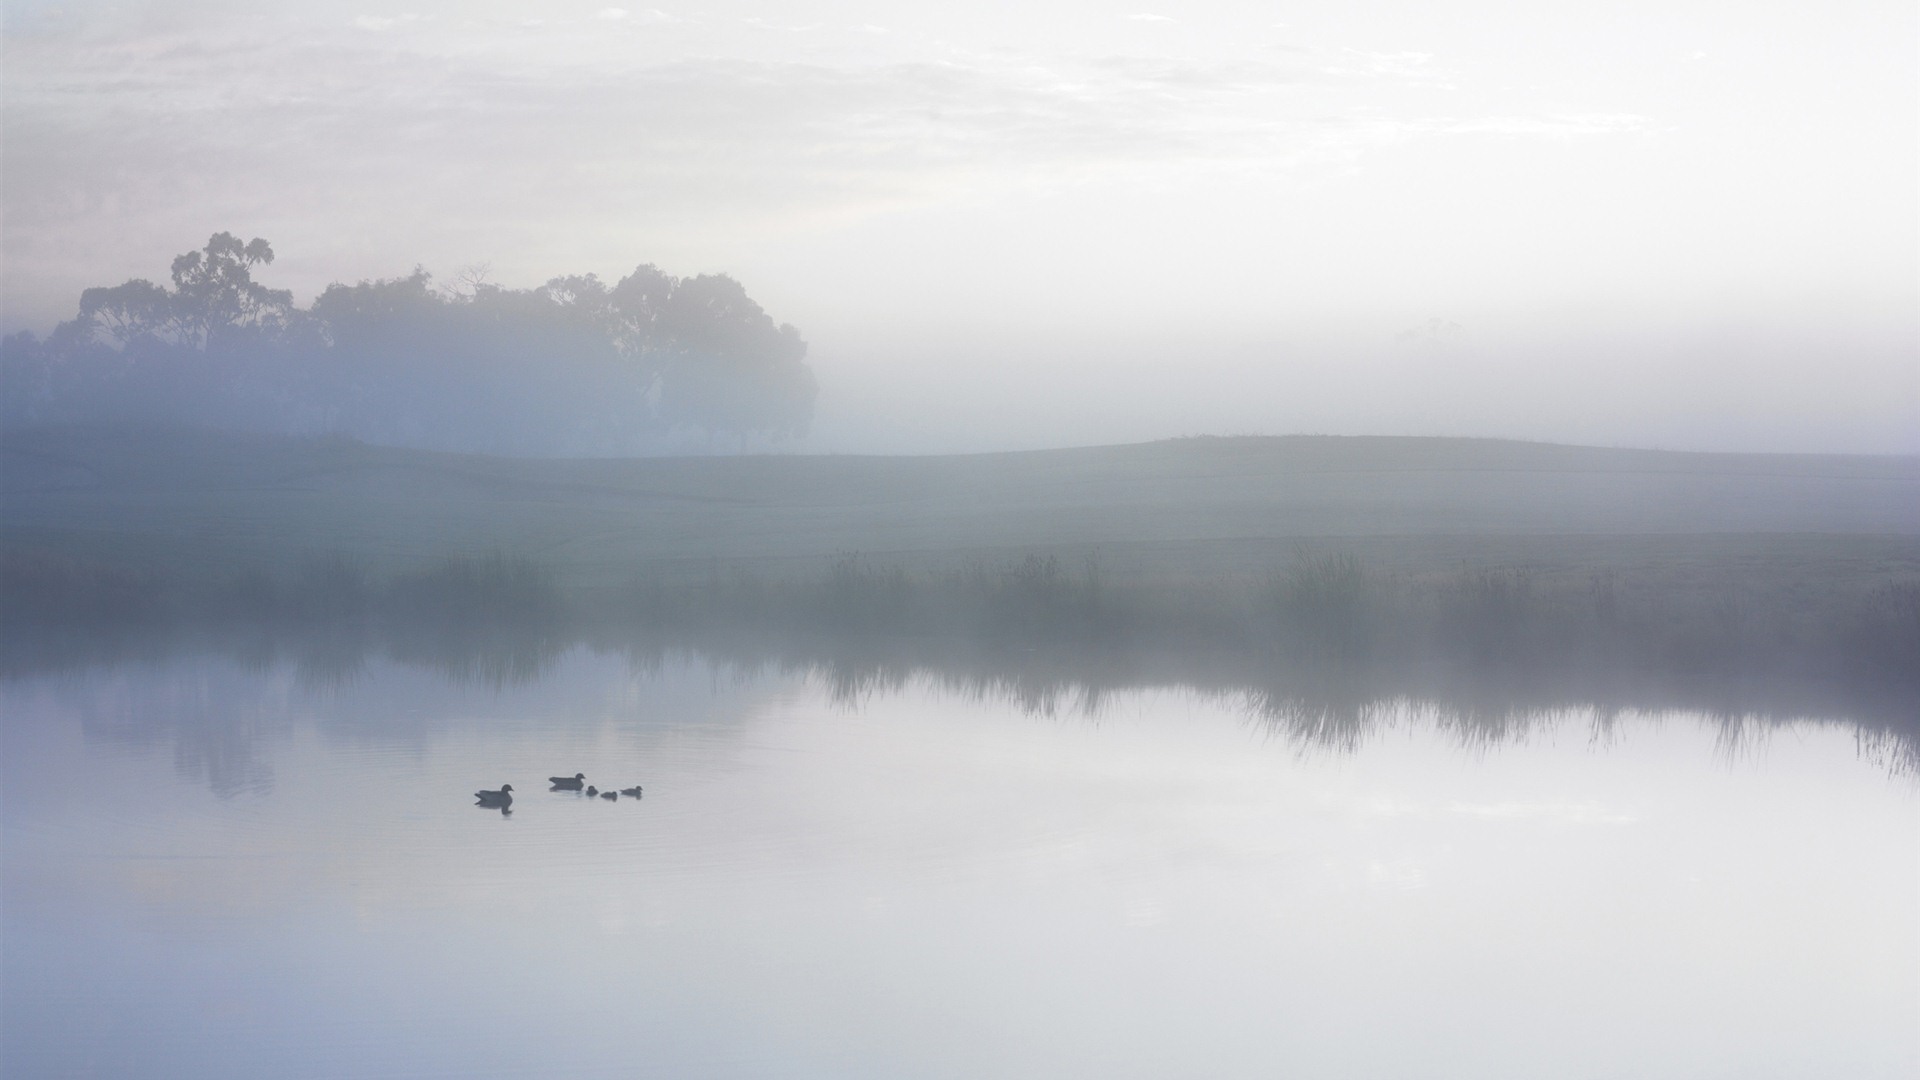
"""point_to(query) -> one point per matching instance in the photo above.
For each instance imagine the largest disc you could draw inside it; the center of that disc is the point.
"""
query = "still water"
(210, 871)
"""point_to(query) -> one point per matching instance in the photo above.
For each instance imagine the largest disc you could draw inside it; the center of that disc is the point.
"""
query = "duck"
(610, 795)
(568, 783)
(592, 791)
(631, 792)
(503, 797)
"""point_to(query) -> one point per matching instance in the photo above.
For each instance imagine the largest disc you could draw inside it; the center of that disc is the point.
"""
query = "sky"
(1003, 225)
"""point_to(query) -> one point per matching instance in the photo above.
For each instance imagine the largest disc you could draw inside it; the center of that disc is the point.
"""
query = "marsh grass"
(1326, 605)
(56, 592)
(857, 597)
(495, 618)
(492, 591)
(1317, 646)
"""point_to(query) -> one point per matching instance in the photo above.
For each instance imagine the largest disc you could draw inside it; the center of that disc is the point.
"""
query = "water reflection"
(1311, 677)
(936, 874)
(221, 711)
(500, 798)
(218, 720)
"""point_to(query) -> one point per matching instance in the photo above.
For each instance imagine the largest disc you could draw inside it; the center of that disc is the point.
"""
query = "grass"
(1320, 576)
(1326, 618)
(1163, 512)
(1320, 648)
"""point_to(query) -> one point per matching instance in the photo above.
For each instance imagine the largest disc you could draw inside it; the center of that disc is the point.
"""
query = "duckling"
(631, 792)
(568, 783)
(610, 795)
(501, 798)
(592, 791)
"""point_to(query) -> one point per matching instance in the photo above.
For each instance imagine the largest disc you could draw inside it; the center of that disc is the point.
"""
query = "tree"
(727, 366)
(215, 296)
(572, 366)
(124, 313)
(214, 303)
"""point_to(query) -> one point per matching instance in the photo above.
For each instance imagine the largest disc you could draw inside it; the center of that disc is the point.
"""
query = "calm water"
(212, 872)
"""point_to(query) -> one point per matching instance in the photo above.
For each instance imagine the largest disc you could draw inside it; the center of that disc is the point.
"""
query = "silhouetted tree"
(725, 365)
(570, 366)
(214, 300)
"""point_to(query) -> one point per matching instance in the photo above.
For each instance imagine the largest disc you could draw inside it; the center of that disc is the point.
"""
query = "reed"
(1324, 635)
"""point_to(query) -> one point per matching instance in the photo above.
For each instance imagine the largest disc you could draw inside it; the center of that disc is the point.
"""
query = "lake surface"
(210, 871)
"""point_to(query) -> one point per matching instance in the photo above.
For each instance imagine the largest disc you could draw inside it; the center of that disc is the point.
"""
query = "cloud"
(762, 24)
(378, 23)
(524, 136)
(647, 17)
(1391, 65)
(1560, 126)
(1561, 813)
(1141, 72)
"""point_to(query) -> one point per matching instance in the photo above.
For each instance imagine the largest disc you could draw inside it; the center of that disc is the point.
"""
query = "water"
(211, 871)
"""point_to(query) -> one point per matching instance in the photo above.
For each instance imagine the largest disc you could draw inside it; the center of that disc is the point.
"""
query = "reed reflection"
(222, 705)
(1319, 651)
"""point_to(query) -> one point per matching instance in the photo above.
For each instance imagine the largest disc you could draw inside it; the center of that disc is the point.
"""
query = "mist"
(1684, 226)
(1026, 540)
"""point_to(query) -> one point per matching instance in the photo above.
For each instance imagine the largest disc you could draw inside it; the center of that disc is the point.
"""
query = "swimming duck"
(568, 783)
(610, 795)
(631, 792)
(592, 791)
(503, 797)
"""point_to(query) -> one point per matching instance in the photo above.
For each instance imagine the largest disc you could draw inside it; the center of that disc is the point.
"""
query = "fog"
(1688, 226)
(1457, 582)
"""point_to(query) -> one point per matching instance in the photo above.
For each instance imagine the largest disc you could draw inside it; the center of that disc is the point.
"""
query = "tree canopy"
(573, 366)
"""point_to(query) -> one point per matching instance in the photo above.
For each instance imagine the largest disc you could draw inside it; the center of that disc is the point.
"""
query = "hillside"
(1209, 506)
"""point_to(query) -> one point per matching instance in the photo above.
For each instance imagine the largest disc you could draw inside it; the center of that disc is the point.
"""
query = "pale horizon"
(1684, 227)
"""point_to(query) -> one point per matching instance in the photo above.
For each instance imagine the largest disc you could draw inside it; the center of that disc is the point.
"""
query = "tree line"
(574, 366)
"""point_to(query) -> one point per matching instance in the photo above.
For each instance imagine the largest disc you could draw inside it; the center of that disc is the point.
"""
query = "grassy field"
(1179, 511)
(1324, 574)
